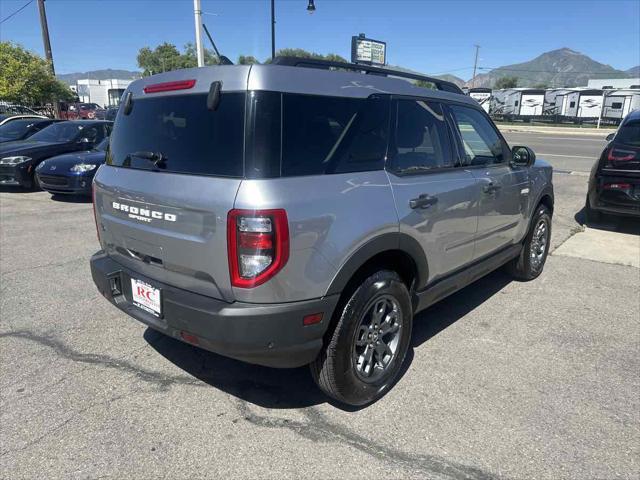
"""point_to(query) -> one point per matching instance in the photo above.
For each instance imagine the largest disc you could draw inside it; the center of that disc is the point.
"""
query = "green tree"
(247, 60)
(506, 82)
(26, 78)
(541, 85)
(301, 53)
(166, 57)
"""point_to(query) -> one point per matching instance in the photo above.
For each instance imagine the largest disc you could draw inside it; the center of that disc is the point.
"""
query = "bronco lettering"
(144, 214)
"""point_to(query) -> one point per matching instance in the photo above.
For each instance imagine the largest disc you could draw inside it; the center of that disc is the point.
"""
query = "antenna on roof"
(223, 60)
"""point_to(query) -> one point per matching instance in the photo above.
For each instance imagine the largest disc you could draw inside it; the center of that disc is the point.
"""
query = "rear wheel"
(529, 264)
(592, 215)
(366, 350)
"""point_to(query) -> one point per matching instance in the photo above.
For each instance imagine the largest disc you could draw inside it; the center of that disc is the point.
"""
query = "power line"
(545, 71)
(17, 11)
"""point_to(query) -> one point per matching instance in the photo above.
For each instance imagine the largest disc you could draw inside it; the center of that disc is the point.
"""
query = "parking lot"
(504, 380)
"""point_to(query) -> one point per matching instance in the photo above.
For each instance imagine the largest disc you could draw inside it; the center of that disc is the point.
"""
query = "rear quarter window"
(190, 138)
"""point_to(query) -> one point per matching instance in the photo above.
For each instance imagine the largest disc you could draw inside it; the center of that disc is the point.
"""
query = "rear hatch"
(173, 170)
(619, 179)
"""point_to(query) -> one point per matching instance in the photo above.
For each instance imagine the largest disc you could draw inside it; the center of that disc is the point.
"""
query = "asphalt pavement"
(504, 380)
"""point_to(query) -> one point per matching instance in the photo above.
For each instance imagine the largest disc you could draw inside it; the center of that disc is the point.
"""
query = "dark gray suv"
(303, 212)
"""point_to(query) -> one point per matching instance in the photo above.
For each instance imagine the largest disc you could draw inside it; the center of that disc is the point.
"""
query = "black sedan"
(18, 159)
(23, 128)
(614, 184)
(71, 173)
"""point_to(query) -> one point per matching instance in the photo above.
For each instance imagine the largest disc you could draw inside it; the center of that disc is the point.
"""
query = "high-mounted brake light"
(169, 86)
(258, 245)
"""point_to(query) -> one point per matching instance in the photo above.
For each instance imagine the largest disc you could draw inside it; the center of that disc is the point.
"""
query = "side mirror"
(610, 137)
(522, 156)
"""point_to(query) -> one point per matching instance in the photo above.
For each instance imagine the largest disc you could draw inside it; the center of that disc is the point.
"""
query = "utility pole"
(273, 30)
(475, 66)
(197, 12)
(45, 35)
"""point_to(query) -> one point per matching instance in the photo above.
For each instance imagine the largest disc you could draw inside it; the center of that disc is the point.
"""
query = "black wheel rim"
(377, 338)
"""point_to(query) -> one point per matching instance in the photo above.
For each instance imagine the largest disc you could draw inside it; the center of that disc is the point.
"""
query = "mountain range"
(558, 68)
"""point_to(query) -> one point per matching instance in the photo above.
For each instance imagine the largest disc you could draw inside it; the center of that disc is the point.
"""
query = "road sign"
(368, 51)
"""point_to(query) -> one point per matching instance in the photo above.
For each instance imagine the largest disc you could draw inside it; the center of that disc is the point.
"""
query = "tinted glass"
(15, 129)
(263, 135)
(190, 138)
(59, 132)
(482, 145)
(629, 133)
(332, 135)
(102, 146)
(421, 139)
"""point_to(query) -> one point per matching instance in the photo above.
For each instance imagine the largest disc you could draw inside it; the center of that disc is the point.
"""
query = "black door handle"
(423, 201)
(491, 188)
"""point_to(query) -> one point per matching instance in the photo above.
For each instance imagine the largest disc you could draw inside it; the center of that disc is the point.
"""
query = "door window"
(421, 138)
(482, 144)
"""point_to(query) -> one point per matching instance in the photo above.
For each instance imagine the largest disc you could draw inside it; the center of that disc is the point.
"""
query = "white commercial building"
(103, 92)
(611, 83)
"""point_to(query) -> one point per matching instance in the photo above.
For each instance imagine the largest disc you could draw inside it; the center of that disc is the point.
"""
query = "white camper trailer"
(523, 103)
(580, 104)
(618, 103)
(496, 103)
(482, 96)
(553, 101)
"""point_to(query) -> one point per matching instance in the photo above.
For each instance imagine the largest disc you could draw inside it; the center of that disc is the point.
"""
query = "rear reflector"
(190, 338)
(312, 319)
(169, 86)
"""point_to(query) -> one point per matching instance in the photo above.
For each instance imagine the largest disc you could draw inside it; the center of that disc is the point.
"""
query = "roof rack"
(326, 64)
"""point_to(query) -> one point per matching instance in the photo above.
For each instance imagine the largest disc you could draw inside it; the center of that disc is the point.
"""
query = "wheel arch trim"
(394, 241)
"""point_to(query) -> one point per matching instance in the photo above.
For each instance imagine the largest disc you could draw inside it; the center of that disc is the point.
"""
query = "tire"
(592, 216)
(528, 266)
(35, 184)
(348, 369)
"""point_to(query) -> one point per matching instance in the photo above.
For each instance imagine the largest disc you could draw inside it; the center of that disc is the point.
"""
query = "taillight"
(619, 155)
(95, 213)
(169, 86)
(258, 245)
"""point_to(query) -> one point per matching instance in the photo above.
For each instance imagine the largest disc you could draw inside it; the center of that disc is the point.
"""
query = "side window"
(421, 138)
(482, 145)
(332, 134)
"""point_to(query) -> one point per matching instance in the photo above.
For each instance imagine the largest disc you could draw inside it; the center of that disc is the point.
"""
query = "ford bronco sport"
(303, 212)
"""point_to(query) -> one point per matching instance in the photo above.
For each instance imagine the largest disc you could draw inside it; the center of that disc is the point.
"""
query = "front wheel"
(529, 264)
(365, 352)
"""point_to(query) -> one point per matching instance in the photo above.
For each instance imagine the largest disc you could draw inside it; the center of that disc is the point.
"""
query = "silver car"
(303, 212)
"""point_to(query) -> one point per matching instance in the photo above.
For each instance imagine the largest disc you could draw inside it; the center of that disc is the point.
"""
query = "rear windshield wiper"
(158, 159)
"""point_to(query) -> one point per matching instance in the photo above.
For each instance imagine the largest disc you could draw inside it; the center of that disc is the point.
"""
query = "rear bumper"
(69, 184)
(616, 202)
(265, 334)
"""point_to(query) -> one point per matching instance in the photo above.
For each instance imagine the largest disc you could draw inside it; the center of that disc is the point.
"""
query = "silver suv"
(303, 212)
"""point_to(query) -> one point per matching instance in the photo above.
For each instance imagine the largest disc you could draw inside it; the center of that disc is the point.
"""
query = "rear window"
(189, 137)
(629, 133)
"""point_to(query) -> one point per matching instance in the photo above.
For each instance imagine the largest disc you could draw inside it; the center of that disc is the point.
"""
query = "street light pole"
(475, 66)
(273, 29)
(197, 12)
(45, 35)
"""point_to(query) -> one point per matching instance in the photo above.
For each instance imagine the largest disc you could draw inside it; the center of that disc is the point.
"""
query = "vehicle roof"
(86, 122)
(634, 115)
(302, 80)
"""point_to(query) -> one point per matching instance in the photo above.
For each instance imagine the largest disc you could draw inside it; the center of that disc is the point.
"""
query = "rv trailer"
(519, 103)
(618, 103)
(482, 96)
(579, 104)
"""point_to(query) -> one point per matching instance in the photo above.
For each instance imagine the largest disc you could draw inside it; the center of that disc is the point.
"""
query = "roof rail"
(327, 64)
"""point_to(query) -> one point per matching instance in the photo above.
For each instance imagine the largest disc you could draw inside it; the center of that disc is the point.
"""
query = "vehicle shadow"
(15, 189)
(294, 388)
(71, 198)
(611, 223)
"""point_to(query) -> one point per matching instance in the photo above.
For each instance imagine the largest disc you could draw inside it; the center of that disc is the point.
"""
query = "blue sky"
(428, 36)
